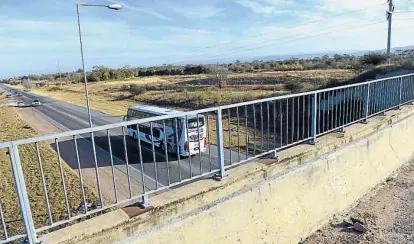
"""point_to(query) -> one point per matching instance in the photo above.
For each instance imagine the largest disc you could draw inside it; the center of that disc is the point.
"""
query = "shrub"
(93, 77)
(374, 58)
(54, 88)
(333, 83)
(136, 90)
(294, 86)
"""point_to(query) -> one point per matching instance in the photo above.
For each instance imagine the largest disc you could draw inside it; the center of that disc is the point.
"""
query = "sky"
(41, 36)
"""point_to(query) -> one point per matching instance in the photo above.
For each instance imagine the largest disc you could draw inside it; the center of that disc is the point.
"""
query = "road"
(67, 116)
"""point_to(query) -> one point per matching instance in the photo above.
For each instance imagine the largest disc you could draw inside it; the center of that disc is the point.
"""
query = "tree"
(102, 72)
(374, 58)
(220, 74)
(92, 77)
(27, 83)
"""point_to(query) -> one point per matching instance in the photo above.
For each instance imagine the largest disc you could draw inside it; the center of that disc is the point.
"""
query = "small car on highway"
(21, 104)
(36, 102)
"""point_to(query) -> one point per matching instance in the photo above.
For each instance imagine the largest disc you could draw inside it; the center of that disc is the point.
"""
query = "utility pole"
(390, 11)
(60, 74)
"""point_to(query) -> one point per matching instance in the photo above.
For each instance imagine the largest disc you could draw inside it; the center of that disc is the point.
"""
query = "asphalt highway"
(67, 117)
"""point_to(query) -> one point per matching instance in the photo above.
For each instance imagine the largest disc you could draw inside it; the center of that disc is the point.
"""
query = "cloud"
(272, 7)
(258, 7)
(142, 10)
(198, 12)
(151, 32)
(348, 5)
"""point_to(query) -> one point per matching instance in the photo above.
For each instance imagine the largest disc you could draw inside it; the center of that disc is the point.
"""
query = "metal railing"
(234, 134)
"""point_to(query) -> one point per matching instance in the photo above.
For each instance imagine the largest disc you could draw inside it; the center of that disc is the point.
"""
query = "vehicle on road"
(21, 104)
(19, 94)
(191, 133)
(36, 102)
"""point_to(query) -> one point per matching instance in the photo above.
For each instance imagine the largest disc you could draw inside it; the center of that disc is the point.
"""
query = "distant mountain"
(359, 53)
(329, 53)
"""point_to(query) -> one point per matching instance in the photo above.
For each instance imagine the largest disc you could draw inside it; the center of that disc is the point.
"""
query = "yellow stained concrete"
(270, 204)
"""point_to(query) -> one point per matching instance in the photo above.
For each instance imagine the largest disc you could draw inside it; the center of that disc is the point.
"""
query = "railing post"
(22, 194)
(220, 147)
(400, 94)
(367, 101)
(145, 203)
(314, 116)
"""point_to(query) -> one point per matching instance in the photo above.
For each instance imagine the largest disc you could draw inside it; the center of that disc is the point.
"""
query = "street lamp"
(110, 6)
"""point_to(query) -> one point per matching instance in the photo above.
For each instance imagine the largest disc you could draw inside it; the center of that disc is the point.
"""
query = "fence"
(233, 134)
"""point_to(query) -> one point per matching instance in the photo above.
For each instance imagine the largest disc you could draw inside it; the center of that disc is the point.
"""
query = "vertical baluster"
(229, 122)
(166, 151)
(126, 161)
(39, 161)
(3, 223)
(112, 166)
(154, 159)
(177, 145)
(238, 134)
(63, 179)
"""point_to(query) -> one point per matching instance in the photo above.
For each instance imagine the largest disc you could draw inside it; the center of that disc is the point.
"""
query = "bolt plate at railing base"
(219, 177)
(313, 142)
(341, 131)
(27, 242)
(144, 203)
(275, 155)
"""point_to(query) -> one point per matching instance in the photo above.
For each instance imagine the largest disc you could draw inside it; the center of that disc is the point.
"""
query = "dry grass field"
(187, 92)
(12, 128)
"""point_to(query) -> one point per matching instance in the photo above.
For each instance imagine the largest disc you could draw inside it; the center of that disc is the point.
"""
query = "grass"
(12, 128)
(187, 92)
(190, 92)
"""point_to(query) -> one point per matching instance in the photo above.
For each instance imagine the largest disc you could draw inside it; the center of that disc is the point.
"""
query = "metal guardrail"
(235, 134)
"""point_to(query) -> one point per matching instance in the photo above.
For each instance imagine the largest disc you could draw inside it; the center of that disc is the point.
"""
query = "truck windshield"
(192, 123)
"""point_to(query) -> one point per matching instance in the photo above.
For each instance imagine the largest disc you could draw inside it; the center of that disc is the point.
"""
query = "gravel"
(387, 213)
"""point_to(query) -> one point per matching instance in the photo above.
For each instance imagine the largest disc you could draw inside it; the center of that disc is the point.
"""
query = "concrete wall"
(280, 203)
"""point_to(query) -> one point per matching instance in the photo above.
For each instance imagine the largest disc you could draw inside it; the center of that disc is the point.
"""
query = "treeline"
(337, 61)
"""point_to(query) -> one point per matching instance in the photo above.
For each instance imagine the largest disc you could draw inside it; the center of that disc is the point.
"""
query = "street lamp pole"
(111, 6)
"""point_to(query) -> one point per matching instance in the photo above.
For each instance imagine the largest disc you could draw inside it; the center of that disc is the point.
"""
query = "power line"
(266, 33)
(277, 43)
(298, 39)
(403, 19)
(403, 12)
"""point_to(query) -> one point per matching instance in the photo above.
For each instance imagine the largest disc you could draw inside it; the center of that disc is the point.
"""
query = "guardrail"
(234, 134)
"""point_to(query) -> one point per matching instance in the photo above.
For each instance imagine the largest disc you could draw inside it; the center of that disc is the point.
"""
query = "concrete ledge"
(90, 226)
(280, 203)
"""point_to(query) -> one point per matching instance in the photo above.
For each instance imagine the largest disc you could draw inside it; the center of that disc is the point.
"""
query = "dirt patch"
(387, 213)
(37, 121)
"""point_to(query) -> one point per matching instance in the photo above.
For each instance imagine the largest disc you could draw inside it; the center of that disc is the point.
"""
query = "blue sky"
(36, 35)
